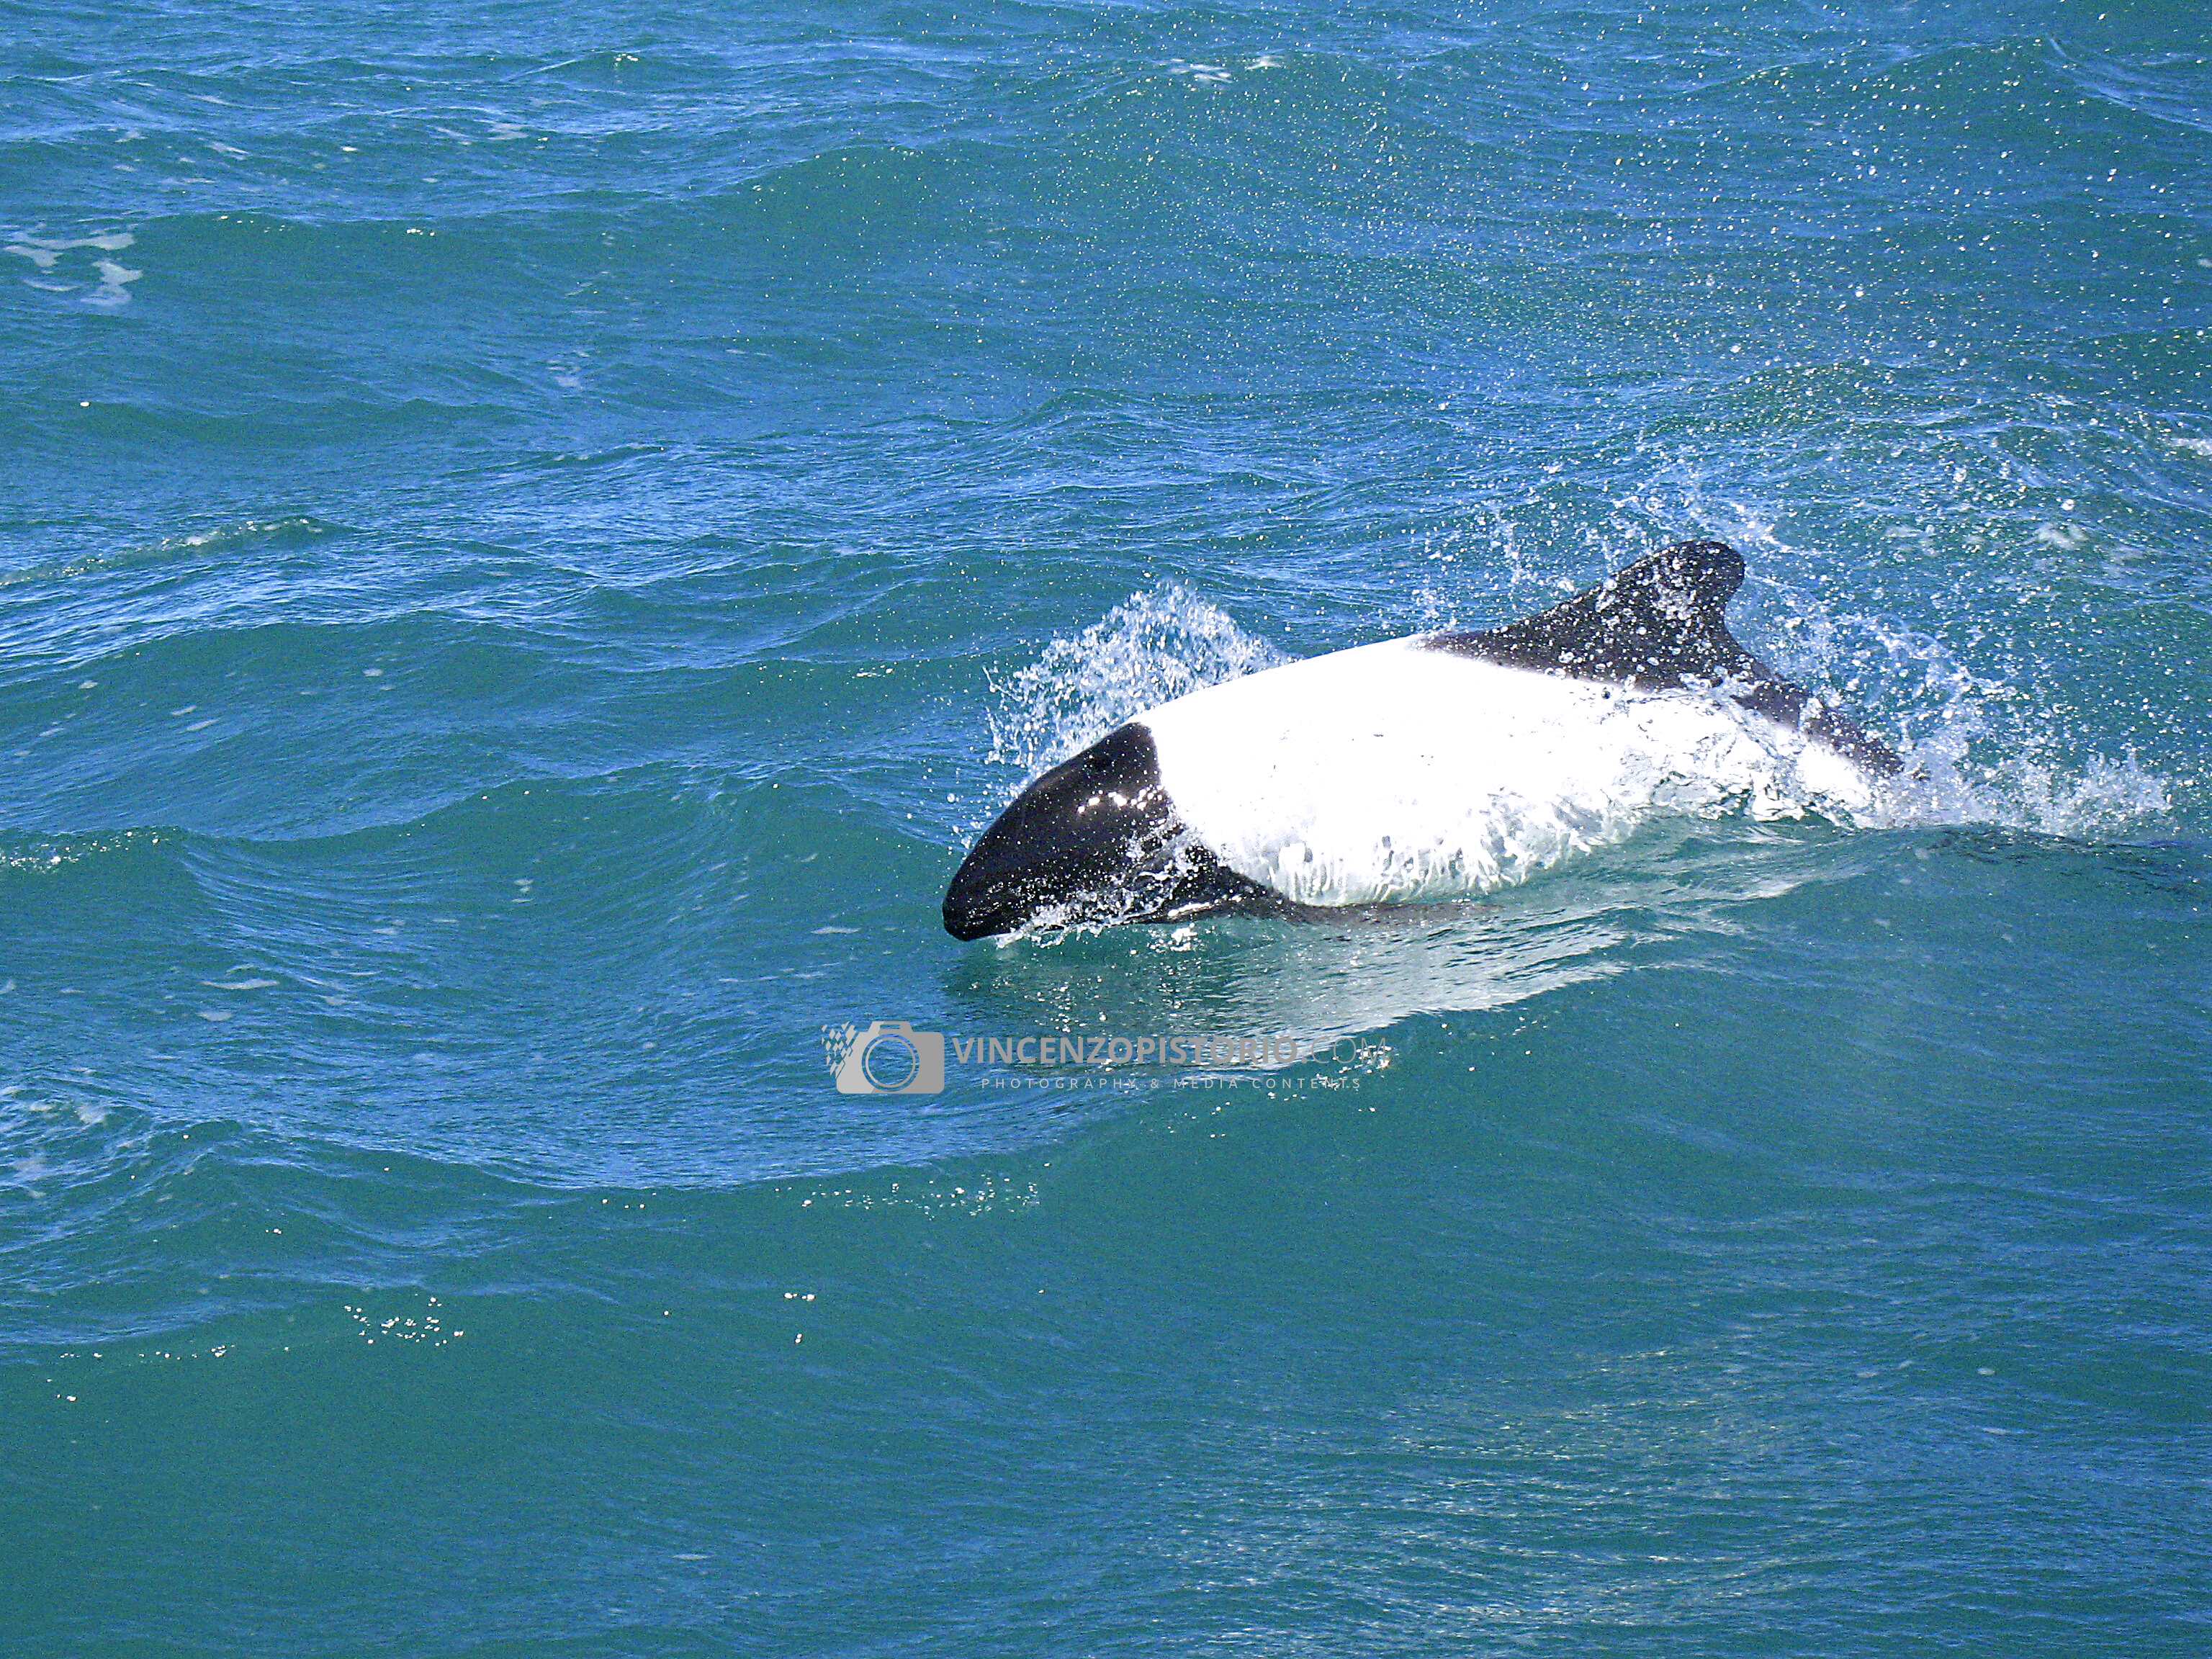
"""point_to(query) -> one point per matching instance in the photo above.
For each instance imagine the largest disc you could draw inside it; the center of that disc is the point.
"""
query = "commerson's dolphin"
(1425, 768)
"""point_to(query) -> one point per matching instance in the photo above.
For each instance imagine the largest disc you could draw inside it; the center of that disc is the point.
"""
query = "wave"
(251, 534)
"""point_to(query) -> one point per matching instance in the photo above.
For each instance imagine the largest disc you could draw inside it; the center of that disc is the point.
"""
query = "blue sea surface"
(533, 537)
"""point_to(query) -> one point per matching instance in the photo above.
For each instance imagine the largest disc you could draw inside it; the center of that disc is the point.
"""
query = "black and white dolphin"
(1425, 768)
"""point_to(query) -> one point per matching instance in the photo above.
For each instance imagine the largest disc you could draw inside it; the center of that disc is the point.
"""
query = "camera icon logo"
(890, 1058)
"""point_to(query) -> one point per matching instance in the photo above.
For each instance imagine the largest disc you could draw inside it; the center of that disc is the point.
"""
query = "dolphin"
(1425, 768)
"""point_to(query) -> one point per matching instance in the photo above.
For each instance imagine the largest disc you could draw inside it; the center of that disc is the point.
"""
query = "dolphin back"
(1662, 625)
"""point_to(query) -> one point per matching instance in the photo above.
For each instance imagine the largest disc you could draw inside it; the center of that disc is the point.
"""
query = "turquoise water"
(531, 540)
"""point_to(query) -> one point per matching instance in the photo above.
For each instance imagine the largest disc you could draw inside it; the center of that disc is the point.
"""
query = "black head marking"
(1097, 835)
(1661, 624)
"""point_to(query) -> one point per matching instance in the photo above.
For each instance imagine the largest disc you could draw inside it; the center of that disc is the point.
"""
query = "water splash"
(1978, 748)
(1151, 649)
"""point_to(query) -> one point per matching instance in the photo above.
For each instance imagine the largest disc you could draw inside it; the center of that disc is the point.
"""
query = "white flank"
(1397, 772)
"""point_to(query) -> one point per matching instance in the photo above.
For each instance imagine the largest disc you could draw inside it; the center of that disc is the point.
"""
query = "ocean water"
(531, 539)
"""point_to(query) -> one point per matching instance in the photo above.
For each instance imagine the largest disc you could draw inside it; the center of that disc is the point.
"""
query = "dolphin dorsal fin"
(1661, 624)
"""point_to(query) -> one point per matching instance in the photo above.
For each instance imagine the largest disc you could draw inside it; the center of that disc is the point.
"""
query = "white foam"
(46, 253)
(1946, 783)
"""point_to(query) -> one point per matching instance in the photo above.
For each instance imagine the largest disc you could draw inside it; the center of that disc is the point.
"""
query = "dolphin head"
(1070, 837)
(1096, 838)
